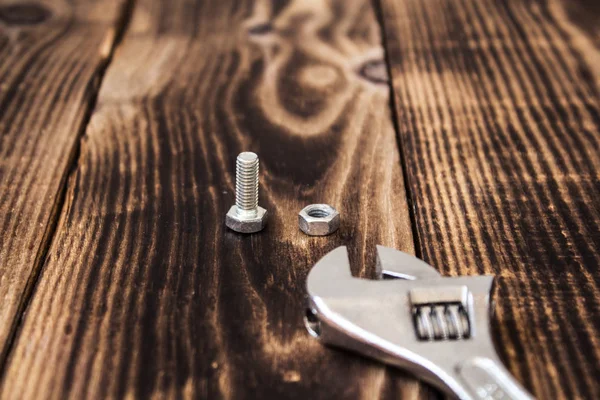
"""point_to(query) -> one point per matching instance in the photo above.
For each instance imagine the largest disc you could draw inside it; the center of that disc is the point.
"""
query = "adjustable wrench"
(411, 317)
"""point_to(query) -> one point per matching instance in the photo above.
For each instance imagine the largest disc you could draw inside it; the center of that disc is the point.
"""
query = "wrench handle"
(486, 379)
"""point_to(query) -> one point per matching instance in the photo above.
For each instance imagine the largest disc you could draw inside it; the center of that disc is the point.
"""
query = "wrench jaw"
(395, 264)
(376, 318)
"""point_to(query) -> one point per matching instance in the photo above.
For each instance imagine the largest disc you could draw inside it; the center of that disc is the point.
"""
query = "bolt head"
(319, 220)
(244, 224)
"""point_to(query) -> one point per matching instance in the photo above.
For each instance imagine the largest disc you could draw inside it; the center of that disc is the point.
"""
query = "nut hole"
(319, 213)
(312, 323)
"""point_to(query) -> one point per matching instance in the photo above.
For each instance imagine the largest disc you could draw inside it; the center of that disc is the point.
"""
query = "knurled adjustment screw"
(246, 216)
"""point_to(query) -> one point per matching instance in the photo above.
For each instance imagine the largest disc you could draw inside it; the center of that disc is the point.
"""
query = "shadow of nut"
(319, 220)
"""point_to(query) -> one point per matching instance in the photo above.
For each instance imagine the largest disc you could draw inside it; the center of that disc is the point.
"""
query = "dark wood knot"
(261, 29)
(24, 14)
(374, 71)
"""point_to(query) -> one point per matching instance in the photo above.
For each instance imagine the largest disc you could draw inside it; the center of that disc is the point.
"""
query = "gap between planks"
(92, 90)
(378, 9)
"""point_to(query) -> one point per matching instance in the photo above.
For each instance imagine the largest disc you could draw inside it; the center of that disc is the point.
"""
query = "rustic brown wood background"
(465, 131)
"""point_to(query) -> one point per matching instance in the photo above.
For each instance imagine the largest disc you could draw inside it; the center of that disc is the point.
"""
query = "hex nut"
(319, 220)
(246, 225)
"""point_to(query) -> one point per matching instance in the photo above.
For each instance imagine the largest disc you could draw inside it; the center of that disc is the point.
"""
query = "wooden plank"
(52, 54)
(499, 120)
(145, 293)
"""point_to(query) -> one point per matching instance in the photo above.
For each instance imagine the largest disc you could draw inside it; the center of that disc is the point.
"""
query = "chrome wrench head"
(413, 318)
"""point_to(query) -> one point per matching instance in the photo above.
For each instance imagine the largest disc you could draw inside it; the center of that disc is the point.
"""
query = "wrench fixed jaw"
(377, 319)
(333, 270)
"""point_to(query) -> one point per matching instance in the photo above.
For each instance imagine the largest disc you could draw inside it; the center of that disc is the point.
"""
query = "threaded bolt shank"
(246, 183)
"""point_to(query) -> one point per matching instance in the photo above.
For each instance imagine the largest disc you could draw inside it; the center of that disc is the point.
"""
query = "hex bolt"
(246, 216)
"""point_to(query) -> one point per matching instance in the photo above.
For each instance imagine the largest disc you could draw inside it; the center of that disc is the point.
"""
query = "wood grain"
(498, 113)
(51, 57)
(144, 292)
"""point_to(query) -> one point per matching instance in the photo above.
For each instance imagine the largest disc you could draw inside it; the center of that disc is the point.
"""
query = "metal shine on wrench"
(413, 318)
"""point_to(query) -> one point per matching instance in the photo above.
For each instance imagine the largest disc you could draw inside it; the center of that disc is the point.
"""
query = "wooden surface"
(499, 118)
(51, 57)
(118, 276)
(145, 292)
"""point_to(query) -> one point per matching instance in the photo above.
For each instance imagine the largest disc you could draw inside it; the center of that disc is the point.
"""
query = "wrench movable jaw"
(436, 327)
